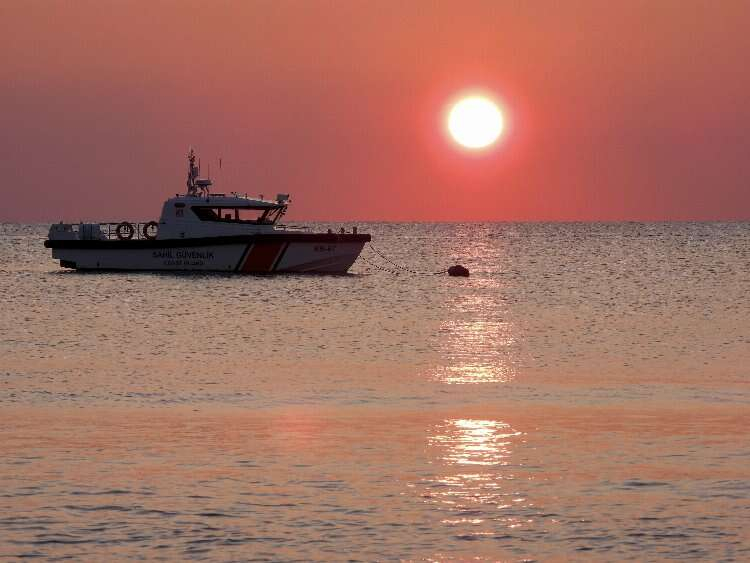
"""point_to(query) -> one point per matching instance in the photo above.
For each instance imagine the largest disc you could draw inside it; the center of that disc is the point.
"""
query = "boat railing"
(283, 227)
(141, 230)
(124, 230)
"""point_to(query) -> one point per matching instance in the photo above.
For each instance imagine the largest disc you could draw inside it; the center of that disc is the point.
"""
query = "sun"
(475, 122)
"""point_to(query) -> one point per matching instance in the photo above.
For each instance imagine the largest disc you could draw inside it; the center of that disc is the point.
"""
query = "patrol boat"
(207, 231)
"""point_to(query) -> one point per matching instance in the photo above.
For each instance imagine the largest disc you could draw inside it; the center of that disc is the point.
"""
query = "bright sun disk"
(475, 122)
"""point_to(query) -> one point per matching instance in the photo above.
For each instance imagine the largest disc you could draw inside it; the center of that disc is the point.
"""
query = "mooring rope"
(400, 267)
(377, 266)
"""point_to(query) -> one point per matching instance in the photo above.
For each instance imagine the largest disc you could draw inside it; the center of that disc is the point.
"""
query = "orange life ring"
(125, 231)
(146, 227)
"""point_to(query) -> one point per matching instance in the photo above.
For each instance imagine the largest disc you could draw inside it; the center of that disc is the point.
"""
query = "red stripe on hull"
(262, 257)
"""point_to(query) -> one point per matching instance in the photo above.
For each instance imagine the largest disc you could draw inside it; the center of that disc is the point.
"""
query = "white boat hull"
(329, 254)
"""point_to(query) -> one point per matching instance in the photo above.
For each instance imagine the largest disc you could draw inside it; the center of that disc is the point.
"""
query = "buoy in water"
(458, 270)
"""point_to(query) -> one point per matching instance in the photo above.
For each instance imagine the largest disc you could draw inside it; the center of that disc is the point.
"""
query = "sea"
(582, 395)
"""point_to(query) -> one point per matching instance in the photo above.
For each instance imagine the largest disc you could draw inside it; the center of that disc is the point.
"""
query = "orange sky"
(616, 110)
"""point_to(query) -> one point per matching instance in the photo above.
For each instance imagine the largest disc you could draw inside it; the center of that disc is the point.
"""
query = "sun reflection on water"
(474, 442)
(475, 485)
(479, 351)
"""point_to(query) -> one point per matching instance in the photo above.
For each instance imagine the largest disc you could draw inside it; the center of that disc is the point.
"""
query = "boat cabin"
(200, 213)
(219, 215)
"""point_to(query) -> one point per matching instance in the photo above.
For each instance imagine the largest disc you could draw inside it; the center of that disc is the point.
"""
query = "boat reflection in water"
(475, 483)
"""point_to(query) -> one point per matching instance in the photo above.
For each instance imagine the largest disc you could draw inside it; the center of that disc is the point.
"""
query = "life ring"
(125, 231)
(146, 232)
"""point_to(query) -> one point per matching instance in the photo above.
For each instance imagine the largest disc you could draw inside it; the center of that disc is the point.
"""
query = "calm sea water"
(583, 395)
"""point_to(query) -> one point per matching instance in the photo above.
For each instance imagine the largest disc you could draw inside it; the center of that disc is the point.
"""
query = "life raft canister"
(125, 231)
(150, 229)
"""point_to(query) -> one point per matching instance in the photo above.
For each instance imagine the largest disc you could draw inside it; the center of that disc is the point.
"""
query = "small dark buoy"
(458, 270)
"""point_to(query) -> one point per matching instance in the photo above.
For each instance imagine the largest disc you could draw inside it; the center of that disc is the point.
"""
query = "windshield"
(265, 216)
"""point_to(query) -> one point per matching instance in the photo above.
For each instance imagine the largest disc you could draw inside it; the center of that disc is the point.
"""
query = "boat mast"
(193, 173)
(196, 186)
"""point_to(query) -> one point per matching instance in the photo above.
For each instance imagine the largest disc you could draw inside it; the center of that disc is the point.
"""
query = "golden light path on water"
(477, 352)
(476, 483)
(480, 341)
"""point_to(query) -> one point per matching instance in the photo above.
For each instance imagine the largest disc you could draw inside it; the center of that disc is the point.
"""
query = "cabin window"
(206, 213)
(263, 216)
(245, 215)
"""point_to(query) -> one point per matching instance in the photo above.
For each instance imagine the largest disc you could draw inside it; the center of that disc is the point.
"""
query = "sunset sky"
(623, 110)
